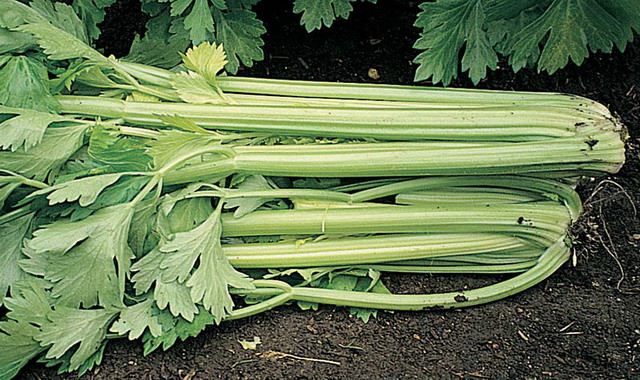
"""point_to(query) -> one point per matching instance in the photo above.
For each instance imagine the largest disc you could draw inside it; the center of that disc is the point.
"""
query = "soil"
(578, 324)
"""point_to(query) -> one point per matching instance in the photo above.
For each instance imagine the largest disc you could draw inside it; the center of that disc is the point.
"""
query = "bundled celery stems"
(151, 203)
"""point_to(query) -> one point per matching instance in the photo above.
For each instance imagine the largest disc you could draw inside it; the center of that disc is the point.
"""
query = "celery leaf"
(17, 347)
(28, 307)
(173, 144)
(69, 327)
(199, 21)
(316, 13)
(13, 234)
(57, 251)
(205, 59)
(84, 190)
(173, 217)
(135, 319)
(92, 13)
(358, 280)
(194, 88)
(25, 85)
(60, 45)
(174, 328)
(245, 206)
(62, 16)
(45, 159)
(568, 29)
(172, 294)
(117, 152)
(447, 26)
(240, 32)
(8, 184)
(25, 128)
(154, 51)
(211, 279)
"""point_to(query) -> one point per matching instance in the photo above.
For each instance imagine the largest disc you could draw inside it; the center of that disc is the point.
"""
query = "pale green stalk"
(388, 94)
(570, 155)
(553, 257)
(508, 123)
(370, 250)
(541, 223)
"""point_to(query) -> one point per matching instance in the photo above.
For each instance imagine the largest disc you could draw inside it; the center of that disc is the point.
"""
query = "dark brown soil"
(576, 325)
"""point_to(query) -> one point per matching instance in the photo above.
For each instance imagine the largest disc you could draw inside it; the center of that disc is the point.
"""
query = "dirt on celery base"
(523, 337)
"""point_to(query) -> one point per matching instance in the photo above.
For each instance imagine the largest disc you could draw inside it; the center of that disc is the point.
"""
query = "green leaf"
(182, 217)
(147, 271)
(94, 76)
(185, 248)
(14, 13)
(205, 59)
(241, 34)
(60, 45)
(78, 165)
(627, 12)
(25, 85)
(315, 13)
(11, 41)
(29, 301)
(8, 184)
(500, 29)
(569, 29)
(187, 214)
(28, 309)
(25, 128)
(210, 281)
(170, 294)
(122, 191)
(119, 153)
(340, 279)
(62, 16)
(235, 27)
(199, 22)
(141, 234)
(43, 161)
(66, 79)
(69, 327)
(154, 51)
(182, 123)
(59, 249)
(242, 4)
(373, 286)
(479, 54)
(176, 296)
(17, 347)
(307, 274)
(13, 234)
(172, 144)
(63, 363)
(447, 26)
(92, 13)
(194, 88)
(86, 190)
(174, 328)
(135, 319)
(245, 206)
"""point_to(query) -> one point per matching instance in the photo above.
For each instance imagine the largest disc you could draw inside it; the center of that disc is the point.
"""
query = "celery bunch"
(148, 203)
